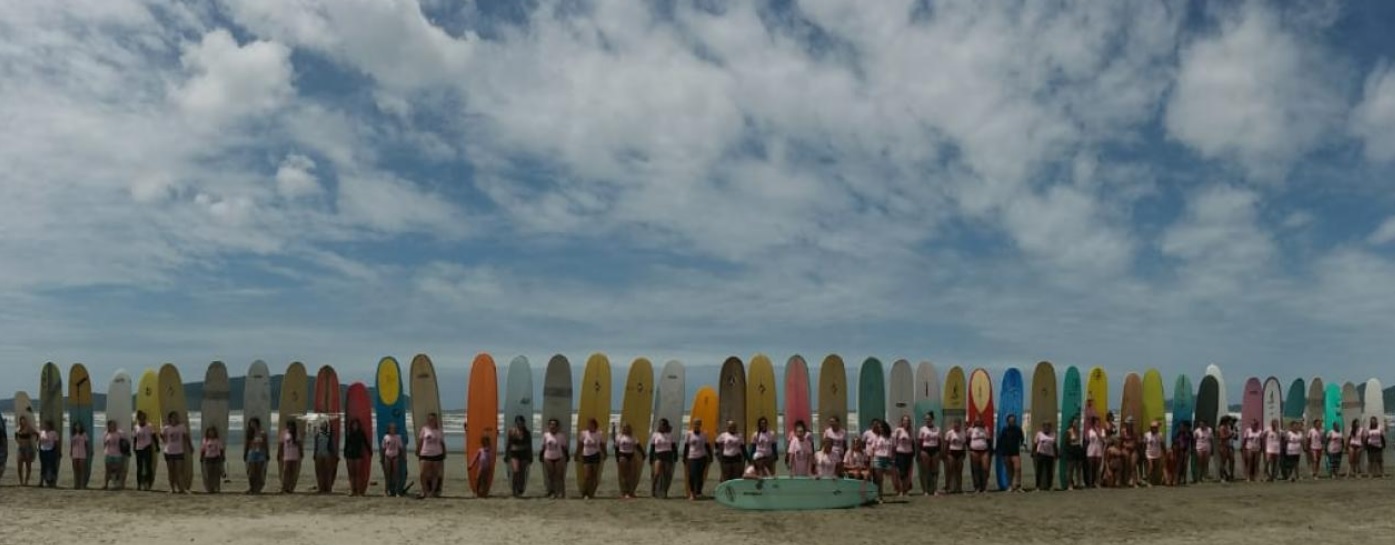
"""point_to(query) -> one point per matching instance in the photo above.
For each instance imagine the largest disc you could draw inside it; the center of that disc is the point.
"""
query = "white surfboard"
(669, 400)
(1374, 406)
(120, 404)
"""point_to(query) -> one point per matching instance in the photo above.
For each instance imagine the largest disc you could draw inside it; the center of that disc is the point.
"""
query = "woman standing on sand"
(431, 456)
(1044, 454)
(519, 449)
(1203, 441)
(1075, 455)
(50, 453)
(77, 450)
(1094, 453)
(1011, 439)
(211, 456)
(834, 433)
(326, 458)
(1252, 445)
(1375, 449)
(880, 448)
(172, 436)
(1225, 449)
(255, 453)
(288, 455)
(147, 442)
(553, 456)
(112, 456)
(1356, 442)
(955, 443)
(590, 447)
(1293, 450)
(1315, 443)
(358, 459)
(903, 454)
(629, 459)
(1273, 440)
(1128, 449)
(764, 449)
(731, 452)
(1335, 449)
(697, 453)
(391, 449)
(980, 454)
(928, 454)
(664, 454)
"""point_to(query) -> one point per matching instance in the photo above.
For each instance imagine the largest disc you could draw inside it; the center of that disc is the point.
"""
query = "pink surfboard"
(796, 394)
(1252, 404)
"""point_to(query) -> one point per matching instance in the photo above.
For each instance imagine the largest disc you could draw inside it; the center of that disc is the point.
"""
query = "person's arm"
(686, 447)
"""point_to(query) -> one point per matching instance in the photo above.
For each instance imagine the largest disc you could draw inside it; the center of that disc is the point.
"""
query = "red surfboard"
(359, 407)
(981, 400)
(327, 402)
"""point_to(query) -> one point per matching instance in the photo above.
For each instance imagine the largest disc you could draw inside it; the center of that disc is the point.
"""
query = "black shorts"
(624, 456)
(592, 459)
(520, 455)
(1372, 449)
(904, 461)
(1075, 453)
(932, 451)
(956, 454)
(174, 457)
(666, 456)
(730, 459)
(436, 458)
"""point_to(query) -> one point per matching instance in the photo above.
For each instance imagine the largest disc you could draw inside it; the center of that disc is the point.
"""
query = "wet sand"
(1269, 513)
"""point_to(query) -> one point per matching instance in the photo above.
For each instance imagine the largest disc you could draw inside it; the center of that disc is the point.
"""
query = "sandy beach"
(1333, 511)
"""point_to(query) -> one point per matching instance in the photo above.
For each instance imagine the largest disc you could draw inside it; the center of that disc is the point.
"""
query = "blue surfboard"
(390, 407)
(1009, 403)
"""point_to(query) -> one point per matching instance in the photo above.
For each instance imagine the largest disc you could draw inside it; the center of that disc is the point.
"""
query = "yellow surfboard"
(704, 409)
(760, 394)
(956, 397)
(595, 403)
(148, 402)
(638, 405)
(1154, 409)
(1097, 394)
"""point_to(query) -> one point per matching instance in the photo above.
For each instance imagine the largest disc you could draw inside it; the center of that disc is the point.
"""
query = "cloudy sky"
(1125, 184)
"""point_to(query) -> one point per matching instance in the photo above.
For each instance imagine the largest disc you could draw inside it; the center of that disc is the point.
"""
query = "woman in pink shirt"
(77, 450)
(1252, 446)
(1273, 439)
(553, 455)
(928, 440)
(256, 451)
(1315, 442)
(391, 449)
(50, 454)
(1094, 453)
(955, 442)
(147, 442)
(211, 456)
(825, 463)
(697, 453)
(288, 454)
(483, 465)
(835, 434)
(629, 459)
(764, 449)
(590, 446)
(1375, 449)
(855, 460)
(173, 437)
(880, 449)
(431, 456)
(903, 455)
(112, 456)
(799, 452)
(1356, 442)
(1335, 449)
(731, 452)
(664, 454)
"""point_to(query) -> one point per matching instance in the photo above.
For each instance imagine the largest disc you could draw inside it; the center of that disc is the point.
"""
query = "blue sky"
(1125, 184)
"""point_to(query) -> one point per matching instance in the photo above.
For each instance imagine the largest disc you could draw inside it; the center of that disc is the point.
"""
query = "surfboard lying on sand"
(795, 493)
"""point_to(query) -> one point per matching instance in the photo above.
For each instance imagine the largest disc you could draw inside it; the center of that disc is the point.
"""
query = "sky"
(986, 184)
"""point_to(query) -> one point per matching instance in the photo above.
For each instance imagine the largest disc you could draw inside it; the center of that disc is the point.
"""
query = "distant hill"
(193, 394)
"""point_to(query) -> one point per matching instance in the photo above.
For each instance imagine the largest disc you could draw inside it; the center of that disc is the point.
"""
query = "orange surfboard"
(482, 420)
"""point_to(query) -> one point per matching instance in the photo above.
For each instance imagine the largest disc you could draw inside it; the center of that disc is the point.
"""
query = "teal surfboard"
(795, 493)
(927, 393)
(1295, 402)
(518, 402)
(871, 394)
(1072, 407)
(1332, 407)
(1184, 410)
(1009, 404)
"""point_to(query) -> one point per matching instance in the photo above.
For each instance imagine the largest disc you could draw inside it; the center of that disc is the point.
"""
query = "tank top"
(625, 444)
(929, 437)
(661, 441)
(553, 445)
(590, 442)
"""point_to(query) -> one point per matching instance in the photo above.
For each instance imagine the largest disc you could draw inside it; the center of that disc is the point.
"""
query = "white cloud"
(1255, 92)
(296, 177)
(1373, 120)
(1383, 234)
(230, 80)
(1219, 242)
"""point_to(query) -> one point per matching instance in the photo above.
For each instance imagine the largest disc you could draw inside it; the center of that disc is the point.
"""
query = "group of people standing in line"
(1100, 454)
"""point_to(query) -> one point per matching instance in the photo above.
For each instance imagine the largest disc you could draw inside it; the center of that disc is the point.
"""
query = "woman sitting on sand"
(855, 461)
(665, 456)
(834, 433)
(1375, 449)
(764, 449)
(211, 456)
(255, 453)
(825, 463)
(731, 452)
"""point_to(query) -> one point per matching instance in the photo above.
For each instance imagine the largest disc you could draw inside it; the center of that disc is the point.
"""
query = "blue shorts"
(881, 463)
(256, 457)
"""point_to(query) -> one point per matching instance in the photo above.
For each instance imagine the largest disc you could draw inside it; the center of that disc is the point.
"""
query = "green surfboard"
(871, 394)
(1072, 405)
(1295, 402)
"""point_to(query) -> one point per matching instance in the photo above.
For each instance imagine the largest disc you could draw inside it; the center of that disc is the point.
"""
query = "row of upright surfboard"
(744, 394)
